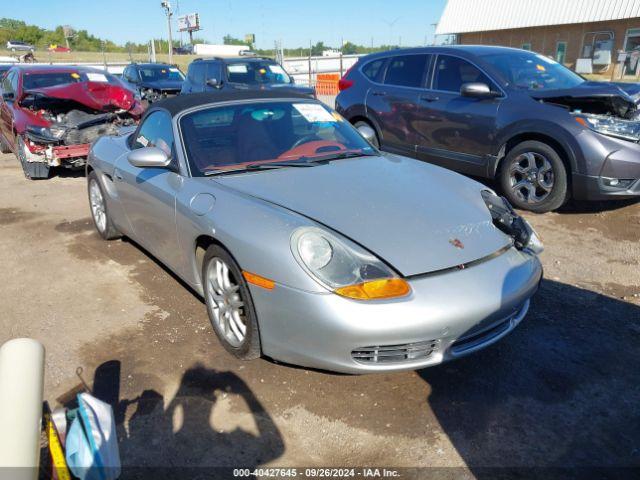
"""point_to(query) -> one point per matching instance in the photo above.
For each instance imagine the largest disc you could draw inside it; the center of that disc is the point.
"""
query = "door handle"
(379, 94)
(429, 98)
(118, 175)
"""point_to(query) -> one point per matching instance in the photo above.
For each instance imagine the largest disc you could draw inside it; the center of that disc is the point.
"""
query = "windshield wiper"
(257, 167)
(303, 161)
(265, 166)
(337, 156)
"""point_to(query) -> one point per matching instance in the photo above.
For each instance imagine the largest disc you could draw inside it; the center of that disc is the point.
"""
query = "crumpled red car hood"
(95, 95)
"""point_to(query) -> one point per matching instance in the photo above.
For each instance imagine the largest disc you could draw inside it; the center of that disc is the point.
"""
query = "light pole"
(167, 7)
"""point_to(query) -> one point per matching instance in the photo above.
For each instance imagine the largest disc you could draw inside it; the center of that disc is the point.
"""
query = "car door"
(9, 86)
(456, 131)
(130, 76)
(393, 103)
(195, 78)
(213, 74)
(148, 195)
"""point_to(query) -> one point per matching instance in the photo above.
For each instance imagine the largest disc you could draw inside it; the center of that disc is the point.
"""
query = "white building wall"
(463, 16)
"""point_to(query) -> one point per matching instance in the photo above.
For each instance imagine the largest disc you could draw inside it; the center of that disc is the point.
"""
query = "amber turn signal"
(376, 289)
(258, 280)
(581, 121)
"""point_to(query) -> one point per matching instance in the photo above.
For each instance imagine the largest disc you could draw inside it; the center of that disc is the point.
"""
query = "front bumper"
(607, 159)
(446, 316)
(587, 187)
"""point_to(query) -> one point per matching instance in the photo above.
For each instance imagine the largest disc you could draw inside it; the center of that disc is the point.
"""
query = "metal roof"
(461, 16)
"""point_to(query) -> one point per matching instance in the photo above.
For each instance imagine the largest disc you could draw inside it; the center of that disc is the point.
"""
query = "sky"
(294, 22)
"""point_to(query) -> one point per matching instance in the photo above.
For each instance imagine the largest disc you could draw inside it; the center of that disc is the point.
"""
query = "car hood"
(603, 98)
(407, 212)
(163, 85)
(95, 95)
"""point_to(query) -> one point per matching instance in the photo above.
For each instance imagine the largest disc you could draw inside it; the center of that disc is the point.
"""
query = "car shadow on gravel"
(557, 396)
(186, 437)
(579, 207)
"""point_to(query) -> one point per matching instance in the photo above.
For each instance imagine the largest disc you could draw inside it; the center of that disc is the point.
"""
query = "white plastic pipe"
(21, 386)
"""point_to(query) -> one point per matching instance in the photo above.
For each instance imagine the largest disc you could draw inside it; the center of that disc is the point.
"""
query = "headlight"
(614, 127)
(508, 221)
(51, 134)
(343, 267)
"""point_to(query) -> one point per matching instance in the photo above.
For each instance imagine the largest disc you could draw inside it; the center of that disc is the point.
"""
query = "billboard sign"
(189, 23)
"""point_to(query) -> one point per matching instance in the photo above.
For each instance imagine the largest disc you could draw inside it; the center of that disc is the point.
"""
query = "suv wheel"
(368, 132)
(533, 177)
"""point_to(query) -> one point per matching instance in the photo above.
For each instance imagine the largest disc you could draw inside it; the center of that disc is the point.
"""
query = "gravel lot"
(562, 390)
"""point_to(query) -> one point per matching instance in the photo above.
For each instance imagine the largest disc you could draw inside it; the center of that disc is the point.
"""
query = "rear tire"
(99, 209)
(32, 170)
(229, 304)
(534, 177)
(363, 127)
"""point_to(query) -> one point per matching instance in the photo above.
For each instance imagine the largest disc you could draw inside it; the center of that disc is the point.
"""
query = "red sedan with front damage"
(50, 115)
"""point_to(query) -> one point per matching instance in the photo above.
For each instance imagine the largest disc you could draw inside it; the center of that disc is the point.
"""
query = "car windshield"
(238, 137)
(35, 80)
(531, 71)
(257, 73)
(155, 73)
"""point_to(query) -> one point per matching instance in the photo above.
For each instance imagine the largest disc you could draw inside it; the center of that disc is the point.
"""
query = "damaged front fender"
(595, 98)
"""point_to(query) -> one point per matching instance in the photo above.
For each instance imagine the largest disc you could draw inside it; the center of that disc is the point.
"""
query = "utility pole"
(167, 7)
(341, 53)
(310, 64)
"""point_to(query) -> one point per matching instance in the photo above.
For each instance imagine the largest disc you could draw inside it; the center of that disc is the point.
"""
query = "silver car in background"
(309, 245)
(18, 46)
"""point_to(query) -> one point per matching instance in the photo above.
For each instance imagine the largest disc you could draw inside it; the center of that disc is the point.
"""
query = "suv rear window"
(406, 70)
(373, 70)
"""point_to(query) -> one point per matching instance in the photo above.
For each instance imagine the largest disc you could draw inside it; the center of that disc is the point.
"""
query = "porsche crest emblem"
(456, 243)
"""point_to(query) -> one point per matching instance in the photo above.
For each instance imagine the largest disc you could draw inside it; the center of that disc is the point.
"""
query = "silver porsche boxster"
(308, 244)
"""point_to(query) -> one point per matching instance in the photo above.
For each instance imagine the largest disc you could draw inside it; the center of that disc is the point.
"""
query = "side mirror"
(368, 133)
(477, 90)
(8, 97)
(214, 82)
(149, 157)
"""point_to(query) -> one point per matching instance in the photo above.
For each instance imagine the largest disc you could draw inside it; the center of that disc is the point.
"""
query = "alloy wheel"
(531, 177)
(98, 209)
(225, 302)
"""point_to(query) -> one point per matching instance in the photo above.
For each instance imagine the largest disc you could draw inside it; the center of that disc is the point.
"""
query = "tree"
(350, 48)
(230, 40)
(317, 49)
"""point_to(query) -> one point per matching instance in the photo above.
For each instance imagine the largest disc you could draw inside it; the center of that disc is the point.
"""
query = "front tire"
(99, 210)
(229, 304)
(31, 170)
(534, 177)
(4, 147)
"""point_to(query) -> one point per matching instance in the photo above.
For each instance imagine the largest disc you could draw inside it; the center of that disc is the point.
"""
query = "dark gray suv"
(240, 73)
(544, 132)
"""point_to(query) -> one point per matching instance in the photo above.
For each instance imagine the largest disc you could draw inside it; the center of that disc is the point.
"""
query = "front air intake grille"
(407, 352)
(479, 337)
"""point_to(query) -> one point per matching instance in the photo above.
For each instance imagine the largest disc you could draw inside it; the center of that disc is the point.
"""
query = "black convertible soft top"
(175, 105)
